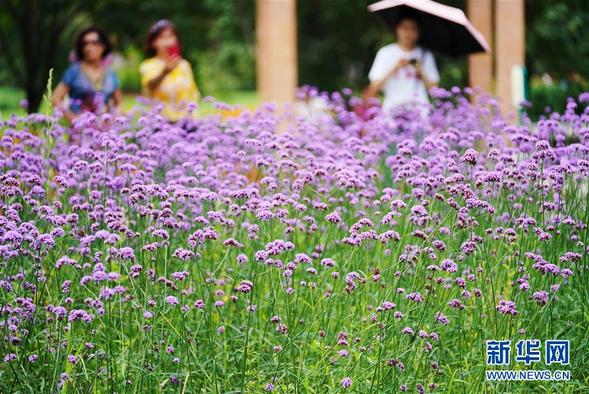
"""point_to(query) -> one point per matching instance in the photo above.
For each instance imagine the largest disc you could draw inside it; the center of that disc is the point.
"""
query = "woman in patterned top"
(166, 76)
(89, 82)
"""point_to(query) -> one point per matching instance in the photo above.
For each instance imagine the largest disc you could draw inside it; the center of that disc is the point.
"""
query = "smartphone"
(413, 62)
(174, 51)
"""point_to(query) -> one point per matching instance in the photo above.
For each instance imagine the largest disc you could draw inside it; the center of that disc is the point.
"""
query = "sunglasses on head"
(160, 25)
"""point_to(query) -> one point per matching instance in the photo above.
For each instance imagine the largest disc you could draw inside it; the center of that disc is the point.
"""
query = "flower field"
(268, 251)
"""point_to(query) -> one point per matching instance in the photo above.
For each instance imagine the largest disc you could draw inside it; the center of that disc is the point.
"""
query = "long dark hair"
(102, 36)
(154, 31)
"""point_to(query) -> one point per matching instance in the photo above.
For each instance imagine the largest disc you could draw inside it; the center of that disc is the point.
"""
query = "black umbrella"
(445, 29)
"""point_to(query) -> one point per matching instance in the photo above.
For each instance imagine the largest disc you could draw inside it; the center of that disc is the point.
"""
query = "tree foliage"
(36, 35)
(337, 39)
(31, 33)
(556, 37)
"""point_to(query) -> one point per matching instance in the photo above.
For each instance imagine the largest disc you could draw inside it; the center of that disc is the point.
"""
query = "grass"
(9, 101)
(231, 348)
(10, 98)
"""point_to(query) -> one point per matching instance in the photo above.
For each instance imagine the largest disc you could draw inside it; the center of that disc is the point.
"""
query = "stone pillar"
(276, 50)
(509, 47)
(480, 65)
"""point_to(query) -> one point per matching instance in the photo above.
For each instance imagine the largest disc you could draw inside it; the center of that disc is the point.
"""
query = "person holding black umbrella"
(404, 71)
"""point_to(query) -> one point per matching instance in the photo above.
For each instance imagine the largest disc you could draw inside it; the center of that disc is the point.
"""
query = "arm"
(428, 72)
(385, 65)
(117, 99)
(154, 83)
(377, 84)
(170, 64)
(57, 99)
(429, 83)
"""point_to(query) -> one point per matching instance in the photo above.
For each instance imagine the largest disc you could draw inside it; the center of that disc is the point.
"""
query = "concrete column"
(509, 47)
(276, 50)
(480, 66)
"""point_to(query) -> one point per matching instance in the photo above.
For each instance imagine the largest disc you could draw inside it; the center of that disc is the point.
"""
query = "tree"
(338, 40)
(37, 35)
(556, 39)
(30, 38)
(217, 36)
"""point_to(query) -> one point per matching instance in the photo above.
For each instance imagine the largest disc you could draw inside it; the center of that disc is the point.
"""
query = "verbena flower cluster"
(274, 251)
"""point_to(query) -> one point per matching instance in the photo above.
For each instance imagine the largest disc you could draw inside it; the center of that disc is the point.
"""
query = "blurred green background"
(337, 42)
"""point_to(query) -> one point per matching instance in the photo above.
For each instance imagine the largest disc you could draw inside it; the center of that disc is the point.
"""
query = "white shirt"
(403, 87)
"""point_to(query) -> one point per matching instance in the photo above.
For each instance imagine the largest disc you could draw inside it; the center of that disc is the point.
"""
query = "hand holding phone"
(173, 58)
(174, 51)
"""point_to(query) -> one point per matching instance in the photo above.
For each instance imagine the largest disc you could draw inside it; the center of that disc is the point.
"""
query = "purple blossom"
(182, 275)
(245, 286)
(199, 304)
(541, 297)
(507, 307)
(416, 297)
(346, 382)
(10, 357)
(127, 254)
(407, 331)
(448, 265)
(440, 318)
(470, 156)
(134, 210)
